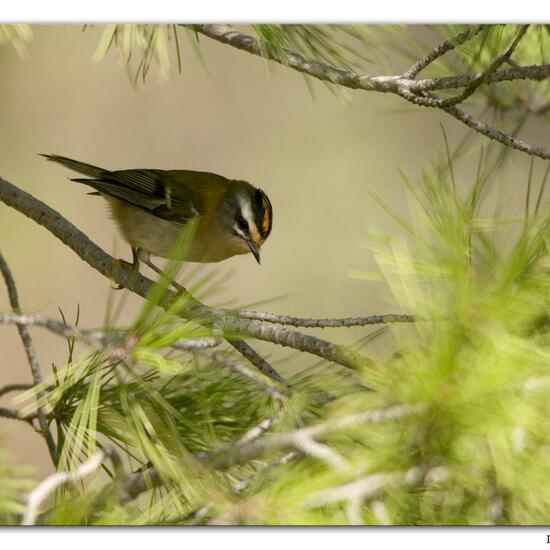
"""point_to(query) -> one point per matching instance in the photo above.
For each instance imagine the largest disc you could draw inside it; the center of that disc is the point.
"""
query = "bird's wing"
(153, 190)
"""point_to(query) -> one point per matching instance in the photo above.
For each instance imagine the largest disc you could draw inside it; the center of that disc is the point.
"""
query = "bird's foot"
(134, 266)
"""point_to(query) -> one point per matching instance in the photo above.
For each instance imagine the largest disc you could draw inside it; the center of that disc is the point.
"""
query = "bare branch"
(51, 483)
(31, 356)
(306, 322)
(310, 447)
(366, 82)
(16, 415)
(477, 125)
(92, 338)
(441, 50)
(366, 488)
(484, 76)
(256, 431)
(221, 358)
(238, 454)
(243, 484)
(107, 343)
(256, 359)
(241, 452)
(408, 88)
(137, 283)
(297, 340)
(497, 135)
(8, 388)
(528, 72)
(361, 489)
(197, 343)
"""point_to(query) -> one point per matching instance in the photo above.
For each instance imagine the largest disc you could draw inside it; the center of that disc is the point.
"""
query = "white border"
(340, 11)
(266, 538)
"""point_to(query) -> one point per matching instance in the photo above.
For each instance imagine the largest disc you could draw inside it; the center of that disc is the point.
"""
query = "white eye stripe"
(248, 215)
(239, 232)
(246, 210)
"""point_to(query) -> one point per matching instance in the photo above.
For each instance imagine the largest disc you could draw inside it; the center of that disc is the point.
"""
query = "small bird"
(151, 207)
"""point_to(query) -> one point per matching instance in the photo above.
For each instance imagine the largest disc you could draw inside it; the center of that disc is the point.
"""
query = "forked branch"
(405, 85)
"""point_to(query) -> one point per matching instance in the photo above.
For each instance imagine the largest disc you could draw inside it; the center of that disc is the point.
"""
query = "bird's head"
(250, 217)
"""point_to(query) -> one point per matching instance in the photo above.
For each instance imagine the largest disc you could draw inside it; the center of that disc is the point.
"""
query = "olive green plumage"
(150, 208)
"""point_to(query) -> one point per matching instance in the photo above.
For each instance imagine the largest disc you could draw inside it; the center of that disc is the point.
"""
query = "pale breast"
(159, 236)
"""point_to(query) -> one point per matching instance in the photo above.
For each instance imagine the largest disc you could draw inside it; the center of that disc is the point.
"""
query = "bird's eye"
(242, 224)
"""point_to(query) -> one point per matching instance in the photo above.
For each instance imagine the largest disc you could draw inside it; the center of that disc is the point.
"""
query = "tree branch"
(16, 415)
(307, 322)
(221, 358)
(441, 50)
(485, 75)
(51, 483)
(239, 454)
(366, 488)
(125, 277)
(14, 387)
(256, 359)
(31, 357)
(401, 85)
(109, 345)
(477, 125)
(301, 439)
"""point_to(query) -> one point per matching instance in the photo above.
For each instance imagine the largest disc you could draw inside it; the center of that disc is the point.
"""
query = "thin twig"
(31, 357)
(107, 343)
(522, 72)
(306, 322)
(308, 446)
(238, 454)
(297, 340)
(256, 431)
(366, 488)
(227, 322)
(8, 388)
(16, 415)
(483, 77)
(256, 359)
(348, 79)
(245, 483)
(197, 343)
(222, 459)
(477, 125)
(221, 358)
(408, 88)
(51, 483)
(441, 50)
(93, 338)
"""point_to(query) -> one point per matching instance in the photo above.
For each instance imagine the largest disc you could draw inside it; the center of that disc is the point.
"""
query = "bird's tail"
(77, 166)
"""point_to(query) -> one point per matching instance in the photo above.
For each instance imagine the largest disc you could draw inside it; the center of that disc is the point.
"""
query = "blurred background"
(316, 155)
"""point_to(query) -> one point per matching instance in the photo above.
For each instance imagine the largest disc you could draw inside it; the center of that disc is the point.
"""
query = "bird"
(151, 207)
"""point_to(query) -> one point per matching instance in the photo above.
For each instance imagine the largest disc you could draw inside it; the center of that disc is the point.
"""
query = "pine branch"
(51, 483)
(303, 440)
(16, 415)
(307, 322)
(8, 388)
(441, 50)
(31, 356)
(125, 277)
(402, 85)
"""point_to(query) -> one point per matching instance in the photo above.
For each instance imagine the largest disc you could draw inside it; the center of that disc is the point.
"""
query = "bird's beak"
(255, 249)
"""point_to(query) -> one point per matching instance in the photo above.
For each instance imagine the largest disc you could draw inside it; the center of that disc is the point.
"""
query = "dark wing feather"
(147, 189)
(146, 181)
(123, 193)
(174, 195)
